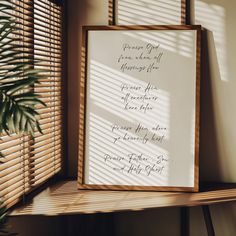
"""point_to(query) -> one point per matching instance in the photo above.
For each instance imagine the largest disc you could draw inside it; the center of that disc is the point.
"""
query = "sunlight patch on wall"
(212, 17)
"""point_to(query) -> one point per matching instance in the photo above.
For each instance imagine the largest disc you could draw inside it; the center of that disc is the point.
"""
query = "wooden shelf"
(63, 198)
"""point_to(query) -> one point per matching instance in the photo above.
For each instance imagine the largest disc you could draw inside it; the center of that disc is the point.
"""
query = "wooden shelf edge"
(63, 198)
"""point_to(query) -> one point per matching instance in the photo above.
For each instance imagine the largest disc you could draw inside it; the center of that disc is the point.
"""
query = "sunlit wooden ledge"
(63, 198)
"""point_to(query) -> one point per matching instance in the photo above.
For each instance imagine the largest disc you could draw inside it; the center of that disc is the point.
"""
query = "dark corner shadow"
(91, 225)
(209, 155)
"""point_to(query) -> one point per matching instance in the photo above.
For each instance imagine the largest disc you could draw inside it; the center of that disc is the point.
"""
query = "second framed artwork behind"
(139, 108)
(147, 12)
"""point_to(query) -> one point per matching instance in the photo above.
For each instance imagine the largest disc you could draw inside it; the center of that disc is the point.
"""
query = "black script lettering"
(153, 168)
(134, 169)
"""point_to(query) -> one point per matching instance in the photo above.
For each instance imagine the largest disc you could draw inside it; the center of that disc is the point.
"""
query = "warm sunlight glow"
(212, 17)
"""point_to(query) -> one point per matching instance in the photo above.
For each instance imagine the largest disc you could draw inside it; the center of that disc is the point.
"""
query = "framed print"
(147, 12)
(139, 108)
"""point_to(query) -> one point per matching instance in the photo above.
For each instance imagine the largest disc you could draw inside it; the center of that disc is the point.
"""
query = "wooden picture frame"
(185, 55)
(121, 12)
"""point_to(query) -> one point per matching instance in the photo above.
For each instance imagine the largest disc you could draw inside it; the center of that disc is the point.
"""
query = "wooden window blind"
(30, 161)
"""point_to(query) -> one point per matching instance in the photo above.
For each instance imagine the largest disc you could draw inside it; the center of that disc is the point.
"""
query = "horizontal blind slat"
(31, 160)
(40, 178)
(30, 5)
(38, 159)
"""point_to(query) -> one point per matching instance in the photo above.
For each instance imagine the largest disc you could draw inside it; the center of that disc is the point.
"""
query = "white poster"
(140, 108)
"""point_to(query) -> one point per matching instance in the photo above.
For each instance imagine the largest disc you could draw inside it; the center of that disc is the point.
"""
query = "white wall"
(218, 131)
(218, 110)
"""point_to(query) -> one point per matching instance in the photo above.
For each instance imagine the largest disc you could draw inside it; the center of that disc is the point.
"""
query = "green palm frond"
(18, 100)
